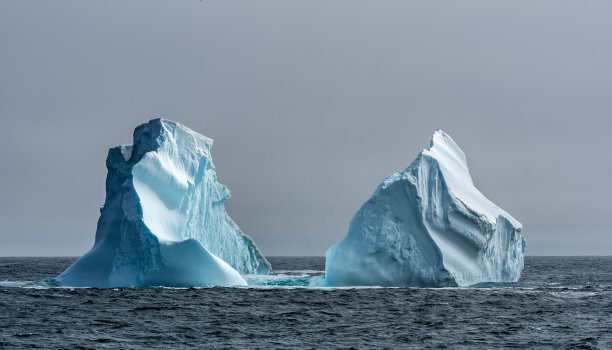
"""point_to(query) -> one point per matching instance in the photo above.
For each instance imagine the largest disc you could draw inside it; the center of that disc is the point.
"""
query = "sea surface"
(559, 303)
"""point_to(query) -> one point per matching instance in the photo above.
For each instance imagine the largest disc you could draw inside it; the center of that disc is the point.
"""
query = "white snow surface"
(163, 222)
(428, 226)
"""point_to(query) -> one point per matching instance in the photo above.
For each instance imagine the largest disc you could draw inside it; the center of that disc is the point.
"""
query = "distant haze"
(311, 104)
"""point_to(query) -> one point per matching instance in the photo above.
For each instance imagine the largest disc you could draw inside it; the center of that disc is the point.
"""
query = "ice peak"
(442, 144)
(155, 128)
(450, 158)
(154, 134)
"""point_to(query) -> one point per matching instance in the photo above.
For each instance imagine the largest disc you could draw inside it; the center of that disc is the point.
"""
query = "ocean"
(559, 303)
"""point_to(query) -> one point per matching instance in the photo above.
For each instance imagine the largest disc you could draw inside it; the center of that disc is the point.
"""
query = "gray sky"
(311, 104)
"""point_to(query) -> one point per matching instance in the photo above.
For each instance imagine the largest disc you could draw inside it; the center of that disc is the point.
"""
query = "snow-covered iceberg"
(428, 226)
(163, 221)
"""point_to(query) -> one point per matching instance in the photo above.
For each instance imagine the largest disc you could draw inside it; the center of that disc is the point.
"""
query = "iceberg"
(163, 222)
(428, 226)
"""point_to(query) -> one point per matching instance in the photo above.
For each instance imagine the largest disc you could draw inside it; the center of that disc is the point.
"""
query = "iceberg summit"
(163, 222)
(428, 226)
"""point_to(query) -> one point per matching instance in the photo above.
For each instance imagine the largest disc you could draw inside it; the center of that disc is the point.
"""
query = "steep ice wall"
(163, 221)
(428, 226)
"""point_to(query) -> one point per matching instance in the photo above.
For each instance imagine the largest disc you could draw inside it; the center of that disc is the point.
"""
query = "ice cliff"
(163, 221)
(428, 226)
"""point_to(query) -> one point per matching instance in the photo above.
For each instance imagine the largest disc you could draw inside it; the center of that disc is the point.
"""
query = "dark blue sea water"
(559, 303)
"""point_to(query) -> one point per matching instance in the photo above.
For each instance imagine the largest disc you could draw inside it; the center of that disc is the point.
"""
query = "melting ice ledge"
(163, 223)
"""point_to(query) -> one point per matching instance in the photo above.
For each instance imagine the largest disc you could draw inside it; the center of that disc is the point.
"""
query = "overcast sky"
(311, 104)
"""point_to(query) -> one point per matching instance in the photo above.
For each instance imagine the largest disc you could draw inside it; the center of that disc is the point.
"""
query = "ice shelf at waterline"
(428, 226)
(163, 222)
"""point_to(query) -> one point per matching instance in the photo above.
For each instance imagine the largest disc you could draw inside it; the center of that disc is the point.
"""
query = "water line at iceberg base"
(271, 281)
